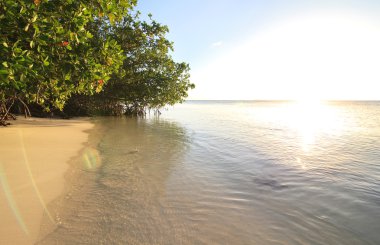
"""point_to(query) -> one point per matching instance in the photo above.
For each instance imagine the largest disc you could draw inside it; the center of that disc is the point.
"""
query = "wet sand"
(34, 156)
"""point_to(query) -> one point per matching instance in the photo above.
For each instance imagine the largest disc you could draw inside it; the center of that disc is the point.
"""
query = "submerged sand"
(34, 155)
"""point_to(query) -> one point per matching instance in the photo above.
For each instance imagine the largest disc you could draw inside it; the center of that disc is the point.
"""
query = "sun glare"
(311, 119)
(306, 120)
(320, 56)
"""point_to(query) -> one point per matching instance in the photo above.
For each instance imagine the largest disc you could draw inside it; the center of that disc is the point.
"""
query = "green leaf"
(112, 18)
(34, 18)
(27, 27)
(22, 77)
(67, 76)
(89, 35)
(72, 36)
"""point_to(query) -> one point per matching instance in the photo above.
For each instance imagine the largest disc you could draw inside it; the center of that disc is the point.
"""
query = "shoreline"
(80, 175)
(35, 156)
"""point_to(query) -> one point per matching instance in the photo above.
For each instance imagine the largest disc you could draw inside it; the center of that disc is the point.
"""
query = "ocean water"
(219, 172)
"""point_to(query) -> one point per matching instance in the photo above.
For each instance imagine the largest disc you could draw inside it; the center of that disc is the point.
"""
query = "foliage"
(48, 51)
(148, 78)
(95, 52)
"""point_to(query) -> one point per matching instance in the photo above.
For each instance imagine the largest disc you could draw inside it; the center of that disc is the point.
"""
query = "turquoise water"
(224, 172)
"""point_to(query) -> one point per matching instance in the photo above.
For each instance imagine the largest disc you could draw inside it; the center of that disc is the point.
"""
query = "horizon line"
(288, 100)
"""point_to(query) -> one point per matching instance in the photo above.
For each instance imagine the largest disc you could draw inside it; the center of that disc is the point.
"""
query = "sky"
(275, 49)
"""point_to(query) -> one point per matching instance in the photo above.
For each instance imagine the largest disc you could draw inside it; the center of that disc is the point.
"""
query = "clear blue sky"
(209, 31)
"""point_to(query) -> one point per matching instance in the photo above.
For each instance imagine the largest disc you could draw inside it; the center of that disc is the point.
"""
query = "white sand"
(33, 159)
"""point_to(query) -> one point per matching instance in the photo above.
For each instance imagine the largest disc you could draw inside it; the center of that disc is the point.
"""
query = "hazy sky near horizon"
(275, 49)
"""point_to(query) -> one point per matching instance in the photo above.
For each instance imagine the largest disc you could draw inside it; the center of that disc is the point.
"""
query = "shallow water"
(230, 173)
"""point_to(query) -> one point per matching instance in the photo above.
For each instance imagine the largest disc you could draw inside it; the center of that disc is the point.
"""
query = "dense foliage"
(148, 78)
(95, 52)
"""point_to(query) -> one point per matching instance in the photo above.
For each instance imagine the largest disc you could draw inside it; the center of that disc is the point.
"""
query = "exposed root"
(6, 106)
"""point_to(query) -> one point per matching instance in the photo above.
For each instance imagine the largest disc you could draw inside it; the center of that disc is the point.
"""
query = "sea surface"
(229, 172)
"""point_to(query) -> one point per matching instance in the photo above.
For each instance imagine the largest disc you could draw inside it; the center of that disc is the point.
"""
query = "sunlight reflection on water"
(233, 173)
(308, 120)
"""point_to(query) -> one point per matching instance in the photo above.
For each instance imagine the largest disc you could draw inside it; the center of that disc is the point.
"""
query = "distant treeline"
(85, 57)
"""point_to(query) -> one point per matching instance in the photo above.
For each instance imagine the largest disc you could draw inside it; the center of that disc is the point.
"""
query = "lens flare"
(11, 202)
(30, 174)
(91, 158)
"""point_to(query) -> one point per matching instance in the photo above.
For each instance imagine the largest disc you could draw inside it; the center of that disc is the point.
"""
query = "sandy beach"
(34, 156)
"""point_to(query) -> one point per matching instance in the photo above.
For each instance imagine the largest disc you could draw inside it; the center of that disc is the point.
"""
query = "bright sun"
(311, 57)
